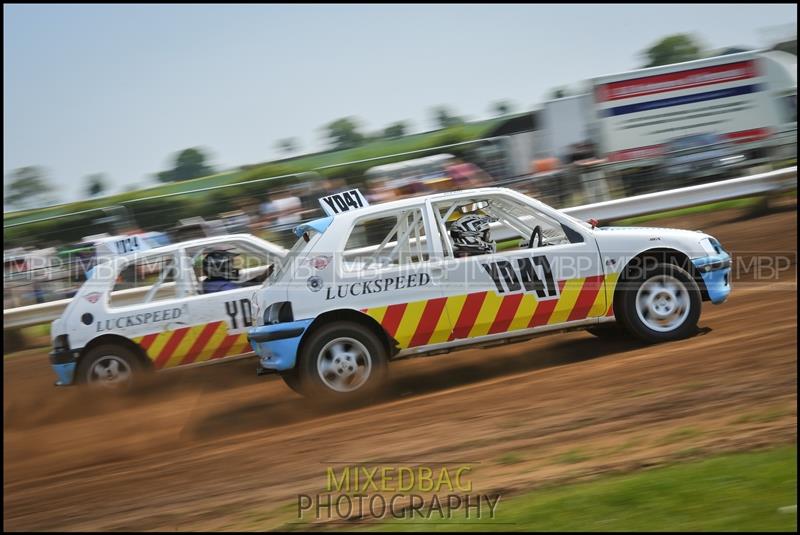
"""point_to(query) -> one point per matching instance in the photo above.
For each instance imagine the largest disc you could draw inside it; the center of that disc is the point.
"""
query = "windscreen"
(297, 250)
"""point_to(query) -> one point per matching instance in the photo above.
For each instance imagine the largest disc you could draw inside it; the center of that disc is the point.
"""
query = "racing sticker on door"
(189, 345)
(439, 320)
(526, 274)
(240, 313)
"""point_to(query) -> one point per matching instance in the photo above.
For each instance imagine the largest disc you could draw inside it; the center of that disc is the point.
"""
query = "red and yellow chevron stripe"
(433, 321)
(189, 345)
(419, 323)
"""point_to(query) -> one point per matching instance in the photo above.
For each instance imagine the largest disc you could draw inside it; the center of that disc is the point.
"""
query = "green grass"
(679, 435)
(747, 202)
(710, 207)
(508, 244)
(572, 457)
(646, 392)
(735, 492)
(385, 147)
(628, 444)
(762, 417)
(510, 458)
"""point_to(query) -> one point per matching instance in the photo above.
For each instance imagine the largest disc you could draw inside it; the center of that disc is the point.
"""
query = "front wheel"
(341, 361)
(661, 305)
(607, 330)
(110, 367)
(292, 380)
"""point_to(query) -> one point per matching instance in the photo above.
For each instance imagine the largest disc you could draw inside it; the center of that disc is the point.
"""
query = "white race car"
(182, 304)
(370, 284)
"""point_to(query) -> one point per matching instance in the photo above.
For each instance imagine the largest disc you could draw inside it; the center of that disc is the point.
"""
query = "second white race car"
(157, 308)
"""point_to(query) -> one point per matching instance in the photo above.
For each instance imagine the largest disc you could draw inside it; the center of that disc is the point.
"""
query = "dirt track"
(218, 448)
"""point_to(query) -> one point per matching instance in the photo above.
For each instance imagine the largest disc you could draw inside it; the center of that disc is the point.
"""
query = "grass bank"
(734, 492)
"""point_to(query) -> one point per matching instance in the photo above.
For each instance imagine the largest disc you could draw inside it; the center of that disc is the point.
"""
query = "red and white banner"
(661, 83)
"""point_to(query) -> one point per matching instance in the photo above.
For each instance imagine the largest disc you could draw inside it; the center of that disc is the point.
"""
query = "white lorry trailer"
(748, 97)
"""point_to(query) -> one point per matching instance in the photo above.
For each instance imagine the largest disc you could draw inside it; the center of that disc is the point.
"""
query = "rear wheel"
(661, 305)
(341, 361)
(110, 367)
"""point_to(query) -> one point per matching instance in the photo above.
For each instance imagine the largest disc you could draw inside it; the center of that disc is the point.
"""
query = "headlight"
(709, 247)
(278, 313)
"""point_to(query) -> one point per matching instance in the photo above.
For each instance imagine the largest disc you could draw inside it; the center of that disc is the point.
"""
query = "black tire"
(641, 323)
(292, 380)
(311, 383)
(607, 330)
(105, 357)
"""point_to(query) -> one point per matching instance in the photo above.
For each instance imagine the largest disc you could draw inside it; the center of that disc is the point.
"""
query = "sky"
(119, 89)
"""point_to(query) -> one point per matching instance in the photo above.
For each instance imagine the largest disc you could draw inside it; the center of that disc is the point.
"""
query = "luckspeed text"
(402, 493)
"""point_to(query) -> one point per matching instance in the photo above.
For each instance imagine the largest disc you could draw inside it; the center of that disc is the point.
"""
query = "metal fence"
(764, 183)
(239, 207)
(584, 183)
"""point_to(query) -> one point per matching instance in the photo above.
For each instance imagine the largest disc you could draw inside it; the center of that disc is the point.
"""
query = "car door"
(386, 271)
(218, 321)
(148, 305)
(557, 281)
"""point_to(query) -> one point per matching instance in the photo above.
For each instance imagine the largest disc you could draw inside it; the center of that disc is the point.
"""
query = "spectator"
(266, 210)
(380, 191)
(589, 173)
(288, 207)
(466, 175)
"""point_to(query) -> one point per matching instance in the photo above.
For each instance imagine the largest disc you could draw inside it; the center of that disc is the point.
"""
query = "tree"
(787, 46)
(444, 118)
(502, 107)
(189, 163)
(673, 49)
(395, 130)
(96, 184)
(28, 188)
(559, 92)
(287, 145)
(729, 50)
(343, 133)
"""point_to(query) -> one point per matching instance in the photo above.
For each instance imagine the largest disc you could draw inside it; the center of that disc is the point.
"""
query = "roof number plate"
(343, 202)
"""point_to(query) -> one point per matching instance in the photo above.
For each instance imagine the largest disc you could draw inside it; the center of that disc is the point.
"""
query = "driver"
(220, 273)
(472, 235)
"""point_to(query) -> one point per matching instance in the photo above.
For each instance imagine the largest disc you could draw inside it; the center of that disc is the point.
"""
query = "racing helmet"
(472, 236)
(220, 265)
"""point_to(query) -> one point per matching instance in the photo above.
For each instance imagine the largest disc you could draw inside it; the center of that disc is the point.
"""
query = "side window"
(790, 108)
(475, 226)
(382, 241)
(146, 279)
(228, 266)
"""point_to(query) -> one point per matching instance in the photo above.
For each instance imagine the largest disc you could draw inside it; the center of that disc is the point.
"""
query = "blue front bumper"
(64, 362)
(277, 344)
(65, 373)
(716, 273)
